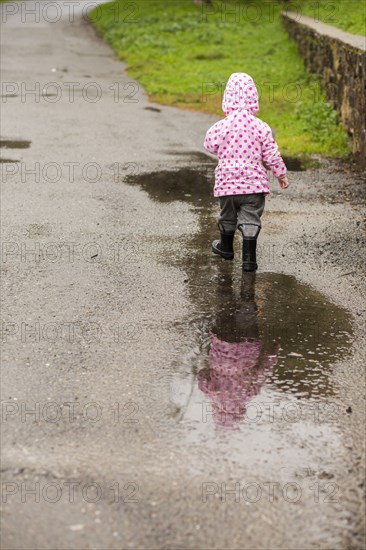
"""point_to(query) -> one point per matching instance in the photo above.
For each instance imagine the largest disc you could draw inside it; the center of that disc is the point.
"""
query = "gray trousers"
(243, 212)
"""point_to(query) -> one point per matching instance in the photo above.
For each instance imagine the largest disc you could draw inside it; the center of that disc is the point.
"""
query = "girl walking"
(242, 142)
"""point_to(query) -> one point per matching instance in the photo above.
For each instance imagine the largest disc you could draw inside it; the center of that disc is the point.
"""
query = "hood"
(240, 93)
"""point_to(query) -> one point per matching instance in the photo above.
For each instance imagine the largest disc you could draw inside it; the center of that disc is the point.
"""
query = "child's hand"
(283, 182)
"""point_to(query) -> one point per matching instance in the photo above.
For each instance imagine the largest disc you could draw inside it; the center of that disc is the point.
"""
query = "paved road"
(115, 325)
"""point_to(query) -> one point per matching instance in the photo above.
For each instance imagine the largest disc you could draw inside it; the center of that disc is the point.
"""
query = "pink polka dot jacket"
(242, 141)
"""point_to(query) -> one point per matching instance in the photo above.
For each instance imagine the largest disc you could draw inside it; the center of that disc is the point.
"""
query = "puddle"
(293, 164)
(289, 331)
(14, 144)
(187, 184)
(153, 109)
(263, 334)
(257, 334)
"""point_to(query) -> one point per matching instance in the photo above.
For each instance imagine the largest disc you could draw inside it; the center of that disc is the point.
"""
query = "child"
(241, 142)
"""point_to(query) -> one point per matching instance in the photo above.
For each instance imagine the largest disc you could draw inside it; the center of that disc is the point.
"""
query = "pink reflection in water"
(235, 375)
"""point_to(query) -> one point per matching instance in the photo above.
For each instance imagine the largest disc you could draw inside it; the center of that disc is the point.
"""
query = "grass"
(184, 57)
(348, 15)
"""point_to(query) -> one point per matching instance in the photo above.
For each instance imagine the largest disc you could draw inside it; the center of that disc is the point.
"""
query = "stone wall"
(339, 59)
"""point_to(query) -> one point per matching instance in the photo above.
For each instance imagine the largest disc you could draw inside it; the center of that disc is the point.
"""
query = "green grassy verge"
(183, 56)
(348, 15)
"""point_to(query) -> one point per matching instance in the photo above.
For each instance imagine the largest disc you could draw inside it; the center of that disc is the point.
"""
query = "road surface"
(152, 396)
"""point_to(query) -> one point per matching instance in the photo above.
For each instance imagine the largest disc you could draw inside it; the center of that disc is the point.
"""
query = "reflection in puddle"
(260, 330)
(261, 336)
(238, 364)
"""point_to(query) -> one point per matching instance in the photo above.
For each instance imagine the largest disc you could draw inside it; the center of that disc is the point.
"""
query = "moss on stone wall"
(341, 69)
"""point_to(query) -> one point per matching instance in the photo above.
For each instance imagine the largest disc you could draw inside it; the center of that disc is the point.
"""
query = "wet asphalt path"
(112, 303)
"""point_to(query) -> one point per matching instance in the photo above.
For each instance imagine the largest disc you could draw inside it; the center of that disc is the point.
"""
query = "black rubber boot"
(249, 253)
(224, 247)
